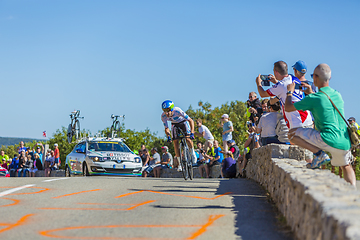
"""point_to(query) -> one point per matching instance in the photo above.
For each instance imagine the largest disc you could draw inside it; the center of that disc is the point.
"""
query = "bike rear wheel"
(69, 134)
(184, 153)
(115, 129)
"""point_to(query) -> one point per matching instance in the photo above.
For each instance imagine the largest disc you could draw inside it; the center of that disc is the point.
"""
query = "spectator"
(166, 161)
(40, 150)
(331, 134)
(5, 163)
(23, 168)
(227, 130)
(3, 157)
(228, 169)
(21, 147)
(200, 151)
(14, 166)
(205, 133)
(264, 106)
(49, 162)
(234, 149)
(30, 165)
(208, 156)
(267, 125)
(254, 106)
(300, 70)
(144, 155)
(153, 162)
(251, 143)
(282, 79)
(218, 155)
(37, 165)
(57, 156)
(352, 122)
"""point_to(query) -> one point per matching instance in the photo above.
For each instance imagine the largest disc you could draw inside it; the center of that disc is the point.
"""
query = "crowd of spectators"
(28, 160)
(293, 111)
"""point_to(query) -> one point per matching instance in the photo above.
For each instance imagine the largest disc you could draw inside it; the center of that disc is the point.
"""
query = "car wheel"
(85, 170)
(67, 171)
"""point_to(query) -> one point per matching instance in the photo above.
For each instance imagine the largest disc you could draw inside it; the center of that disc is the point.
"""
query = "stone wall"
(316, 203)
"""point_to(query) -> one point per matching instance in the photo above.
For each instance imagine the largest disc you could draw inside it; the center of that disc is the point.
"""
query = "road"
(136, 208)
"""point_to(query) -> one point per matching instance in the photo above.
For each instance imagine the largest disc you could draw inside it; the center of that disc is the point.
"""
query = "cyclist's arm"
(191, 122)
(167, 132)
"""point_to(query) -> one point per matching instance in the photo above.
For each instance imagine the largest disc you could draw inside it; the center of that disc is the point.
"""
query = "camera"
(297, 86)
(265, 80)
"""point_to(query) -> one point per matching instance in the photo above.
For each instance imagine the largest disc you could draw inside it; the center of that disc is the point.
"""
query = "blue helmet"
(167, 106)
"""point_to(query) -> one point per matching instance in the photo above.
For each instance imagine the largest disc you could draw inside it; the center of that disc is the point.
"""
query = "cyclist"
(180, 119)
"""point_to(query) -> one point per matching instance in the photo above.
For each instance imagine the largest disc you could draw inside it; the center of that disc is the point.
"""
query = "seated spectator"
(251, 143)
(208, 156)
(267, 125)
(23, 168)
(14, 166)
(49, 163)
(166, 160)
(200, 152)
(228, 169)
(234, 149)
(144, 155)
(154, 161)
(4, 163)
(218, 155)
(40, 150)
(36, 166)
(205, 133)
(3, 157)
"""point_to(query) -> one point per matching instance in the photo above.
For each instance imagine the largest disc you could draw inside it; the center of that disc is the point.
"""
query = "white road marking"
(56, 179)
(4, 193)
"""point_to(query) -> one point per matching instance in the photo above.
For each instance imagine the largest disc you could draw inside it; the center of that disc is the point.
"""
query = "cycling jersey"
(293, 119)
(178, 116)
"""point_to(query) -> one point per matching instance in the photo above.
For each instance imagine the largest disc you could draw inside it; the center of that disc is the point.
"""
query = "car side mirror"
(79, 150)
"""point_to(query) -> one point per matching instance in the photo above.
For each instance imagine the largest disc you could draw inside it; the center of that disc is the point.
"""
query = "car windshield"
(108, 146)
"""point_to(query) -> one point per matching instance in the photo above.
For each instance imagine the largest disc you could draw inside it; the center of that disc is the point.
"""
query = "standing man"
(205, 133)
(227, 130)
(331, 134)
(57, 155)
(181, 120)
(21, 147)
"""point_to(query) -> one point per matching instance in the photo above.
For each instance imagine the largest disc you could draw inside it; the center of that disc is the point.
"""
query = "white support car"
(102, 156)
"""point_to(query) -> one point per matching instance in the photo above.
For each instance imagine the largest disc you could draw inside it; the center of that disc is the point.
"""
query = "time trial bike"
(185, 157)
(74, 126)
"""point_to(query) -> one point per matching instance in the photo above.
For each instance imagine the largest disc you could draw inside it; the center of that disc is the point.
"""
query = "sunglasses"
(167, 109)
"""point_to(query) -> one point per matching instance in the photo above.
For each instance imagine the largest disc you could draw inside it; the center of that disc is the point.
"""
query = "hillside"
(7, 141)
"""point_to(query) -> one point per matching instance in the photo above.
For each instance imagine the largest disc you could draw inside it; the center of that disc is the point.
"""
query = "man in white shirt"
(205, 133)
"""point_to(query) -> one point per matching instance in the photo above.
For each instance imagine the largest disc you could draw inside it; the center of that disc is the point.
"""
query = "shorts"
(226, 137)
(57, 160)
(184, 126)
(339, 157)
(148, 169)
(33, 170)
(164, 166)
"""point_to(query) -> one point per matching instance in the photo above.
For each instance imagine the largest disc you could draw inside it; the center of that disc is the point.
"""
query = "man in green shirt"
(331, 134)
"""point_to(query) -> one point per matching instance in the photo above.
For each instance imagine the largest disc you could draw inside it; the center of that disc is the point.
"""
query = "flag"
(44, 133)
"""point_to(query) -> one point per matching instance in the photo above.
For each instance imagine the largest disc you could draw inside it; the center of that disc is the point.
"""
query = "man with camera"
(300, 70)
(331, 131)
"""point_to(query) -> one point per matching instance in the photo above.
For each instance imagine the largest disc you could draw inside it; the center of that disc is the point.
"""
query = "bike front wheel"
(115, 129)
(190, 166)
(77, 129)
(184, 153)
(69, 134)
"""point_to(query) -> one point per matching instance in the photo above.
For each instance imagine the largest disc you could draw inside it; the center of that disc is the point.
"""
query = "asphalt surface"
(136, 208)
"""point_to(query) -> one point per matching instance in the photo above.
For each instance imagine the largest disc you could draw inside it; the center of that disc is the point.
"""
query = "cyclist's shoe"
(319, 160)
(192, 137)
(179, 169)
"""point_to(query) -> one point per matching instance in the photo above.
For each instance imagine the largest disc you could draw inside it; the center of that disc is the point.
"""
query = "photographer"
(254, 107)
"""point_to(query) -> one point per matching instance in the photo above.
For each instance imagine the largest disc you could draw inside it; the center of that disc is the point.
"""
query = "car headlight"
(95, 159)
(137, 160)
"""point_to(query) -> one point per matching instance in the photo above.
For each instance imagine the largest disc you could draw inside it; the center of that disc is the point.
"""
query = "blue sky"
(126, 57)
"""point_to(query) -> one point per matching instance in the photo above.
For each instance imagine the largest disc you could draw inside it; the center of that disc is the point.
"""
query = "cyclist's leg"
(177, 153)
(187, 130)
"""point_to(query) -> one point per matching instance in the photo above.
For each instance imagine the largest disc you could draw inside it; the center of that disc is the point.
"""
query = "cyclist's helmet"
(167, 106)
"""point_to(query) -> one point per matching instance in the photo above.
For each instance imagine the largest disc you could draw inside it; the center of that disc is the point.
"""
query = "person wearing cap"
(300, 70)
(353, 122)
(40, 150)
(154, 161)
(57, 156)
(227, 130)
(166, 161)
(233, 148)
(205, 133)
(331, 133)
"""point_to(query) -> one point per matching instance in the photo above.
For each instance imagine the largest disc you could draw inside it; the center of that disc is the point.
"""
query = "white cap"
(225, 116)
(56, 145)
